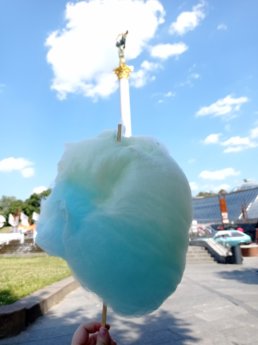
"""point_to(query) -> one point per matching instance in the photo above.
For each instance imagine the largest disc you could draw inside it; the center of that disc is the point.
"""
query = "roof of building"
(207, 210)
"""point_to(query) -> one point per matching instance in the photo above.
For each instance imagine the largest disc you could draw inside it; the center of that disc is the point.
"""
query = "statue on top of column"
(120, 43)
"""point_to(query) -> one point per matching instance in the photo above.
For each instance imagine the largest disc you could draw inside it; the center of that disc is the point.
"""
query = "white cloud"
(222, 27)
(28, 172)
(169, 94)
(166, 96)
(254, 133)
(24, 166)
(194, 186)
(83, 53)
(238, 144)
(223, 186)
(234, 143)
(214, 188)
(192, 76)
(209, 187)
(39, 189)
(212, 139)
(223, 107)
(144, 74)
(167, 50)
(218, 174)
(188, 20)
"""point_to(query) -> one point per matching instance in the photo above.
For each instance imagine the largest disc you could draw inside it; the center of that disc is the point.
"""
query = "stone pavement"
(214, 304)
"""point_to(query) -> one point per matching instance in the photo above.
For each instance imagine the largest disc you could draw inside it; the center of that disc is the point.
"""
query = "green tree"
(45, 194)
(9, 204)
(205, 194)
(223, 191)
(32, 204)
(16, 207)
(5, 203)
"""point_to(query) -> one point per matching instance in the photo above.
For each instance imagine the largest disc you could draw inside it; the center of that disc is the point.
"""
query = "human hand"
(92, 334)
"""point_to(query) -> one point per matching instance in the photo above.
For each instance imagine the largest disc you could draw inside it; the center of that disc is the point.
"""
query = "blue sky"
(194, 85)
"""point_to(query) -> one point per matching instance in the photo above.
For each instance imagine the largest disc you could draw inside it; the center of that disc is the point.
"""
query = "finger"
(92, 340)
(92, 327)
(81, 336)
(103, 337)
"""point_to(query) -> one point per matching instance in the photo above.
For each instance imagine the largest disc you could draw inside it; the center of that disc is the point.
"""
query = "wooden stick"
(104, 315)
(104, 307)
(119, 132)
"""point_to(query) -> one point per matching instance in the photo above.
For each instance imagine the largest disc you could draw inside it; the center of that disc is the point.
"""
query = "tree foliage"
(223, 191)
(205, 194)
(9, 204)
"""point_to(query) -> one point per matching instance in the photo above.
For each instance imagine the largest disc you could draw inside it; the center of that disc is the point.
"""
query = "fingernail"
(103, 331)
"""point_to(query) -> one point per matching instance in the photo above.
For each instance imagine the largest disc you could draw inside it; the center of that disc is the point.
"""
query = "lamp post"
(223, 209)
(123, 73)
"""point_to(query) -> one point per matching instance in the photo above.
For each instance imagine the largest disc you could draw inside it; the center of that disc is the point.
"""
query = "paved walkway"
(214, 304)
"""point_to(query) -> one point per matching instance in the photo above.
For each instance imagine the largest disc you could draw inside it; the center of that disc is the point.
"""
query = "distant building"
(248, 184)
(241, 204)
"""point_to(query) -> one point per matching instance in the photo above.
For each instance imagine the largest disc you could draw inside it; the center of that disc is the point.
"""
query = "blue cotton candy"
(119, 214)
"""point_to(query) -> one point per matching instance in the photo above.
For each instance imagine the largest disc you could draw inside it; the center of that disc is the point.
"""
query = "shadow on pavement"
(247, 275)
(159, 328)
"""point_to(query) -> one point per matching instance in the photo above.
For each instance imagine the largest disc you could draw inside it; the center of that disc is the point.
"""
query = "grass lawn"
(6, 229)
(20, 276)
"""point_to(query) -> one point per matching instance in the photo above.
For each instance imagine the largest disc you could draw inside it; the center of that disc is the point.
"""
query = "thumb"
(103, 337)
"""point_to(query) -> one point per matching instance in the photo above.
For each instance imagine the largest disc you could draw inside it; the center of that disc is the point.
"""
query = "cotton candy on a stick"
(119, 214)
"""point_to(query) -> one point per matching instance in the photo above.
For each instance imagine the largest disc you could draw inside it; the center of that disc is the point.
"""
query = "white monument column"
(123, 72)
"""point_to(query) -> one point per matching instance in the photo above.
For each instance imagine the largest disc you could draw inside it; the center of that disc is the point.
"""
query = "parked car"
(218, 227)
(231, 237)
(249, 229)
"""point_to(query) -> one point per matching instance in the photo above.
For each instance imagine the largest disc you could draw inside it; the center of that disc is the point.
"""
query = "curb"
(15, 317)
